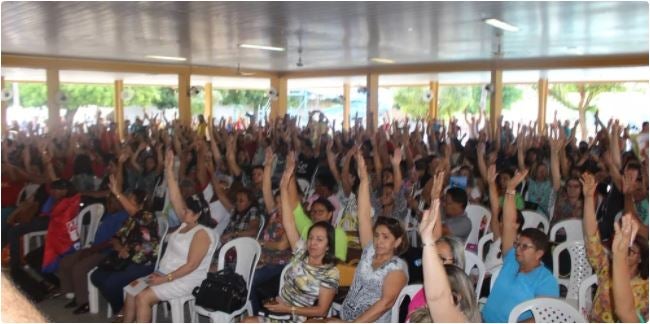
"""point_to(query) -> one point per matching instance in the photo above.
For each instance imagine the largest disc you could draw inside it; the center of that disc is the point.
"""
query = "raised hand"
(624, 235)
(628, 183)
(517, 179)
(169, 159)
(438, 181)
(112, 185)
(268, 156)
(428, 223)
(362, 172)
(492, 173)
(588, 184)
(397, 156)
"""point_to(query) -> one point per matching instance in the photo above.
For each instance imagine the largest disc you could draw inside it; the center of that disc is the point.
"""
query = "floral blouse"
(603, 308)
(140, 234)
(273, 232)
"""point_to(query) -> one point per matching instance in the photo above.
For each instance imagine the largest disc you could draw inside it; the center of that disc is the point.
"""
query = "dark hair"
(520, 220)
(326, 179)
(325, 202)
(82, 165)
(395, 228)
(197, 204)
(247, 192)
(64, 185)
(330, 254)
(643, 255)
(140, 196)
(458, 195)
(539, 239)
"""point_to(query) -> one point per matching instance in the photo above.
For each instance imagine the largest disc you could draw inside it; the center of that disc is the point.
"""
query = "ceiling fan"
(240, 72)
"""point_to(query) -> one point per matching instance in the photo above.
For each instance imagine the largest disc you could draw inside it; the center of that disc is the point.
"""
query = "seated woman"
(623, 289)
(135, 249)
(187, 258)
(450, 250)
(380, 274)
(636, 262)
(311, 281)
(449, 291)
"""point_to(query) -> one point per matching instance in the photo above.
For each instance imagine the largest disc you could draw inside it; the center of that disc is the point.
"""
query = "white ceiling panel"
(330, 34)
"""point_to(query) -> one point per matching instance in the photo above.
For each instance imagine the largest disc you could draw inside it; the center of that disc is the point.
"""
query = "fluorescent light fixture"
(382, 60)
(501, 24)
(262, 47)
(167, 58)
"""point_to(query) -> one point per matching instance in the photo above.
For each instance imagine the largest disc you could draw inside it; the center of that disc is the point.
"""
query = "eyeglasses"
(522, 246)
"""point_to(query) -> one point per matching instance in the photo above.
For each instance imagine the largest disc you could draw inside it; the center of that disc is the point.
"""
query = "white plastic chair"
(532, 219)
(93, 292)
(248, 253)
(262, 223)
(476, 214)
(484, 240)
(493, 279)
(410, 291)
(472, 261)
(580, 268)
(572, 229)
(547, 310)
(584, 294)
(177, 305)
(86, 235)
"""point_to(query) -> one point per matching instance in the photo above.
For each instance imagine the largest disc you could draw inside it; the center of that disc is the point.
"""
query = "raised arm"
(288, 221)
(589, 222)
(397, 172)
(363, 198)
(480, 159)
(556, 147)
(621, 287)
(346, 177)
(509, 223)
(331, 161)
(267, 191)
(494, 202)
(174, 191)
(231, 151)
(436, 285)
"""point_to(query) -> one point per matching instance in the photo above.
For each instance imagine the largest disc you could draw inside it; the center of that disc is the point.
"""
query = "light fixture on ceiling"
(262, 47)
(382, 60)
(166, 58)
(410, 29)
(501, 24)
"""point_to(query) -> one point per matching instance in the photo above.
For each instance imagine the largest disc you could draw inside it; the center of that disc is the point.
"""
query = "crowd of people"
(321, 200)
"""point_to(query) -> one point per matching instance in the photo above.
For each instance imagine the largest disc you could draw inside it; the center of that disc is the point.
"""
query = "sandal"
(117, 318)
(83, 309)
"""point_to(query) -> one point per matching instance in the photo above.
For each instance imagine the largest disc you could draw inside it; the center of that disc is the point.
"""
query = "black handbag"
(223, 291)
(114, 263)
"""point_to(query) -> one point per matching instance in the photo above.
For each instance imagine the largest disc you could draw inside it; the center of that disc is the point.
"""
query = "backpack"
(224, 290)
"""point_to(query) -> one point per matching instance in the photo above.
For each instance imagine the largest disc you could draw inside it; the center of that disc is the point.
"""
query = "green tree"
(244, 98)
(31, 94)
(451, 99)
(79, 95)
(586, 95)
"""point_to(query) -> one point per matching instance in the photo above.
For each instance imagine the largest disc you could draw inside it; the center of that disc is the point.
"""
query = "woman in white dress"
(187, 259)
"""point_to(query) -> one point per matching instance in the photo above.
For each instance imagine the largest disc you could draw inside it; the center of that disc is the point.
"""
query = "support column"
(372, 108)
(53, 103)
(496, 100)
(119, 108)
(5, 129)
(184, 104)
(279, 106)
(346, 106)
(207, 95)
(433, 104)
(542, 90)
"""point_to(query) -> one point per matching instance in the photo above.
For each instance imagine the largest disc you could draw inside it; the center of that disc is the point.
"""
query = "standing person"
(311, 281)
(187, 259)
(523, 275)
(380, 274)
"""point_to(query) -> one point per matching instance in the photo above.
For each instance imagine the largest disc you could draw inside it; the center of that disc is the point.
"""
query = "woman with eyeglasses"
(380, 274)
(523, 276)
(636, 264)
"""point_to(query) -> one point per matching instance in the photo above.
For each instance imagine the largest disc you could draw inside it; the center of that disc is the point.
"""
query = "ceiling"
(331, 34)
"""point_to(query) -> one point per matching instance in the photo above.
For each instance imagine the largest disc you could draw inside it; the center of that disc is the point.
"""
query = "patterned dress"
(302, 282)
(368, 285)
(603, 308)
(140, 234)
(273, 232)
